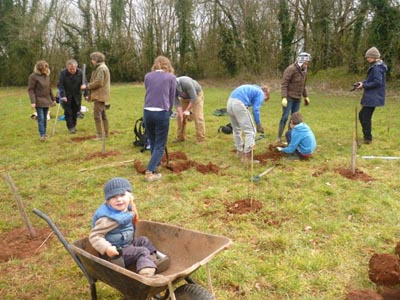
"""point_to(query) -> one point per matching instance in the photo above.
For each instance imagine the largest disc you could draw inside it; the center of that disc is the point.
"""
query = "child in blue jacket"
(113, 228)
(300, 138)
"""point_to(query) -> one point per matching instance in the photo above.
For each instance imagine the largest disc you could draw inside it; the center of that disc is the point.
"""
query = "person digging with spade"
(113, 231)
(239, 101)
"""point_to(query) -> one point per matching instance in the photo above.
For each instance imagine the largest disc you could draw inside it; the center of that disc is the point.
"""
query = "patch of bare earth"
(18, 243)
(178, 162)
(357, 175)
(243, 206)
(384, 271)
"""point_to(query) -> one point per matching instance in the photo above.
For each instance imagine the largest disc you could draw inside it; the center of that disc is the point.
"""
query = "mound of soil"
(363, 295)
(389, 293)
(19, 244)
(178, 162)
(384, 269)
(358, 174)
(243, 206)
(209, 168)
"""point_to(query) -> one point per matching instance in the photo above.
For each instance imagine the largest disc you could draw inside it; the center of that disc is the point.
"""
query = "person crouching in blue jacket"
(374, 91)
(300, 138)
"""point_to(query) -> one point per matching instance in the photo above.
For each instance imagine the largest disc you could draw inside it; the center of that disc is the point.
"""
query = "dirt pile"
(178, 162)
(18, 243)
(384, 271)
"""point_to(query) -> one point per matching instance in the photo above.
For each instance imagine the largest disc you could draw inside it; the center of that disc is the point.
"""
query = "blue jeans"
(157, 127)
(42, 119)
(292, 107)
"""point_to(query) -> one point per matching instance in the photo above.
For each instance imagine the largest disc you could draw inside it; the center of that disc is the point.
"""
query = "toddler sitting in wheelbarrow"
(113, 228)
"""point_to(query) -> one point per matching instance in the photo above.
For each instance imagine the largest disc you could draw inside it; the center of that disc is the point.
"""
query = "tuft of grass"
(312, 239)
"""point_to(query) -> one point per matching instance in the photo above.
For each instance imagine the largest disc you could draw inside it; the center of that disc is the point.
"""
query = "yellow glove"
(284, 102)
(306, 101)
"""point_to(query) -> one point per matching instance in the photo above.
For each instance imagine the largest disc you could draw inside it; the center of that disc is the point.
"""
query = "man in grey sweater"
(189, 100)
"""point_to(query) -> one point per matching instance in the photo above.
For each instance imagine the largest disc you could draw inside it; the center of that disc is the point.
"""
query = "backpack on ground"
(140, 134)
(227, 129)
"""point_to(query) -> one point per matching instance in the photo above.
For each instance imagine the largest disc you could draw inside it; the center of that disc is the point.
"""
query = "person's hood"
(301, 127)
(381, 63)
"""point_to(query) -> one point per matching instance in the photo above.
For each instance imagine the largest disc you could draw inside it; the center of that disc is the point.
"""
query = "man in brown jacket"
(293, 86)
(99, 93)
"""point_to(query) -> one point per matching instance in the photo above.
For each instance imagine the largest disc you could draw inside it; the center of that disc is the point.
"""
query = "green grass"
(311, 240)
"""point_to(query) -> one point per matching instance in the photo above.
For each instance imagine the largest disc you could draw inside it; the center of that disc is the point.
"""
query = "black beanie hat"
(116, 186)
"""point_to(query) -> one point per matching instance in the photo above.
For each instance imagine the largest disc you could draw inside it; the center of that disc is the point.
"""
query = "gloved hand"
(284, 102)
(306, 101)
(279, 149)
(260, 129)
(107, 105)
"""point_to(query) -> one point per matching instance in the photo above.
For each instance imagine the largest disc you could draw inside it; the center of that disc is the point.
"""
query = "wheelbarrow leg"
(171, 291)
(62, 239)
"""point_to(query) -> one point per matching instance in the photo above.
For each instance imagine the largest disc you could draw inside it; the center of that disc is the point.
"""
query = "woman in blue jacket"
(374, 91)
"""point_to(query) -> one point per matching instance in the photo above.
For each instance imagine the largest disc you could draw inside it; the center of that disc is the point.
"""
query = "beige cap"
(372, 52)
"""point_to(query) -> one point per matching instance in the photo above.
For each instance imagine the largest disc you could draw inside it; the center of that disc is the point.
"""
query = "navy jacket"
(375, 85)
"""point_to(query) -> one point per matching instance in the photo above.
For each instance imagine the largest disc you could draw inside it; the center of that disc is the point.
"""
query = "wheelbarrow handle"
(64, 242)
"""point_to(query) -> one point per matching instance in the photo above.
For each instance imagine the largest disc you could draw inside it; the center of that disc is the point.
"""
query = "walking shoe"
(150, 176)
(239, 154)
(43, 138)
(147, 271)
(72, 130)
(367, 141)
(246, 159)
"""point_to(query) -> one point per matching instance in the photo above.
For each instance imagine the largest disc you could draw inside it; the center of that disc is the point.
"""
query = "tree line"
(203, 38)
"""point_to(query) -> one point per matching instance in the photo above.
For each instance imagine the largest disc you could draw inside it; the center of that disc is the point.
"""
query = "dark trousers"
(365, 117)
(157, 127)
(293, 105)
(71, 109)
(138, 253)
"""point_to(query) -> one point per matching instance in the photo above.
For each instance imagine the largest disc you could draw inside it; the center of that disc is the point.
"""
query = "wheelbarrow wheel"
(192, 292)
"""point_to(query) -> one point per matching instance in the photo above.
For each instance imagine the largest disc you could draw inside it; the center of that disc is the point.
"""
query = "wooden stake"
(20, 205)
(355, 144)
(120, 163)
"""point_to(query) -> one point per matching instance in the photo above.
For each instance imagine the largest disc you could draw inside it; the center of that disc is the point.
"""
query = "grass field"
(312, 239)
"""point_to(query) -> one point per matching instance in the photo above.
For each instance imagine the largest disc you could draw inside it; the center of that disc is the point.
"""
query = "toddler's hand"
(112, 251)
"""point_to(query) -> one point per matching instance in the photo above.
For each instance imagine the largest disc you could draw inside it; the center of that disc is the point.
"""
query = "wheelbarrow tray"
(187, 249)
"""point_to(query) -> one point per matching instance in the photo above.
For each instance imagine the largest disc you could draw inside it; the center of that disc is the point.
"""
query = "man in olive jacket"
(293, 87)
(99, 93)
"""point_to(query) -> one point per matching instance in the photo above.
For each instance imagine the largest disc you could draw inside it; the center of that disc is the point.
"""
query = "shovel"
(257, 178)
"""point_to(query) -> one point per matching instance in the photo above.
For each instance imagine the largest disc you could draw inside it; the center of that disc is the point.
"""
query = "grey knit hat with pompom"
(116, 186)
